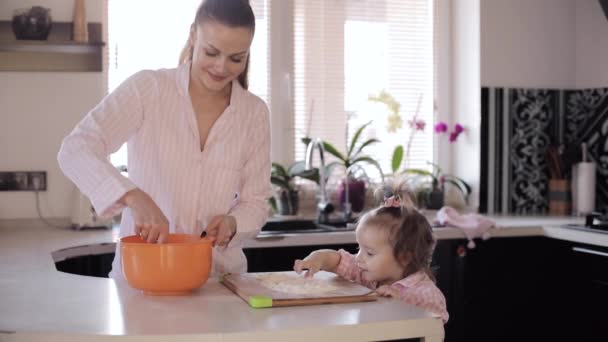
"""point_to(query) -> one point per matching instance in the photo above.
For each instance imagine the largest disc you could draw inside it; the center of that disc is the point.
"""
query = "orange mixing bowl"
(176, 267)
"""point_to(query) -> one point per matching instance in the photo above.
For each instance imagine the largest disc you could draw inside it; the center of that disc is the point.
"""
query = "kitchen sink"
(305, 226)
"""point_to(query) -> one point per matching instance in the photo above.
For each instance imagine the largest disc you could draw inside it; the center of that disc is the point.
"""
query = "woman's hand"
(388, 291)
(221, 229)
(150, 222)
(316, 261)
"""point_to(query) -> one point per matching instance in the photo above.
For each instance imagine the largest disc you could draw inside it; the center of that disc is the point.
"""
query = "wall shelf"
(57, 53)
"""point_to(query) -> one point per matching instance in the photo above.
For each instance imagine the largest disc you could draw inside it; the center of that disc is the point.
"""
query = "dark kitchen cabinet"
(275, 259)
(585, 285)
(504, 287)
(524, 289)
(98, 265)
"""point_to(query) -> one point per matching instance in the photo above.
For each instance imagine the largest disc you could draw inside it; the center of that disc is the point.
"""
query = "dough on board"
(295, 284)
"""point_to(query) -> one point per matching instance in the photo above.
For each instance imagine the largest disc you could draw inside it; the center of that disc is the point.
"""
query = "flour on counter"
(294, 283)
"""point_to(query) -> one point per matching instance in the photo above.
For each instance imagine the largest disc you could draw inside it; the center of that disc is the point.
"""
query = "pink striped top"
(416, 289)
(153, 113)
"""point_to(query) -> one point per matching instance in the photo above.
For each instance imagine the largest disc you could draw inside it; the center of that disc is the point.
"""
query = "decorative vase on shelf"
(80, 32)
(32, 24)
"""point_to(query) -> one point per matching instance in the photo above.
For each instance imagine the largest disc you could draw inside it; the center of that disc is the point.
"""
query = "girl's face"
(219, 54)
(375, 256)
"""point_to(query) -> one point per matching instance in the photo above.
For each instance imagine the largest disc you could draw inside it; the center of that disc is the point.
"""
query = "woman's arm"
(251, 211)
(83, 156)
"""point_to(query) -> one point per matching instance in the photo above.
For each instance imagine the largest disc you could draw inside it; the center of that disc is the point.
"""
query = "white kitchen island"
(39, 303)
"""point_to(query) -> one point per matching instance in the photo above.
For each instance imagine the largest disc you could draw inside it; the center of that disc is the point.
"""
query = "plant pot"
(287, 203)
(432, 199)
(356, 194)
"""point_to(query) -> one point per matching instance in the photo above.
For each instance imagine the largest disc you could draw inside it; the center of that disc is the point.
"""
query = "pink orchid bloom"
(417, 124)
(458, 128)
(441, 127)
(453, 137)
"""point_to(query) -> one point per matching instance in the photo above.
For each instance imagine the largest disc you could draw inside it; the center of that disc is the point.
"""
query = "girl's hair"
(233, 13)
(409, 233)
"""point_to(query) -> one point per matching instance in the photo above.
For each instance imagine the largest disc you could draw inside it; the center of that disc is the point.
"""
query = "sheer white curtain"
(150, 34)
(347, 50)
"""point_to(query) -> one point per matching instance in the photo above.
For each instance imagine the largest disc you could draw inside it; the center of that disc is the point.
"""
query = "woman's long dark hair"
(233, 13)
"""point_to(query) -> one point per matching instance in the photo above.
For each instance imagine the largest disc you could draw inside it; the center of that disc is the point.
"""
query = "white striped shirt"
(153, 113)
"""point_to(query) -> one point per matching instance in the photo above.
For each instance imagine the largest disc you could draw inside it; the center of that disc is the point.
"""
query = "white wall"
(37, 109)
(529, 43)
(465, 99)
(591, 45)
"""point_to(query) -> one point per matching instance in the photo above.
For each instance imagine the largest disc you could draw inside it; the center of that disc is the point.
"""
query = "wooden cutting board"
(273, 289)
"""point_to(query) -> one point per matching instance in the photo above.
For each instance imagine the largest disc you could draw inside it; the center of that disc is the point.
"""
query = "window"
(343, 52)
(347, 50)
(150, 34)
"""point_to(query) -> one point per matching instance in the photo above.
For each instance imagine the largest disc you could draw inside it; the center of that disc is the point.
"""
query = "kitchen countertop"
(509, 226)
(37, 299)
(38, 302)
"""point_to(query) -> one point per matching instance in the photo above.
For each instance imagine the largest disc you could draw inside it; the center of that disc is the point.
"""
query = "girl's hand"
(313, 263)
(221, 229)
(150, 222)
(388, 291)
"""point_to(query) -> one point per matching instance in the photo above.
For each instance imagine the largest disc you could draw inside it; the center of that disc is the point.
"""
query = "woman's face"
(219, 54)
(376, 257)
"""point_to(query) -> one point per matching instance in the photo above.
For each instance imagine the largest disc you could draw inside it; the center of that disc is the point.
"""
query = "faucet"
(324, 208)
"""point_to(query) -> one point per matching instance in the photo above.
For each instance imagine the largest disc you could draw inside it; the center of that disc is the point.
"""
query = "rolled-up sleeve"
(83, 156)
(251, 210)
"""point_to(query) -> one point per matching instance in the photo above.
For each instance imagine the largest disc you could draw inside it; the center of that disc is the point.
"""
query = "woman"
(198, 143)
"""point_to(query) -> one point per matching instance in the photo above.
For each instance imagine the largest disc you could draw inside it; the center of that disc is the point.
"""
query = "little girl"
(395, 248)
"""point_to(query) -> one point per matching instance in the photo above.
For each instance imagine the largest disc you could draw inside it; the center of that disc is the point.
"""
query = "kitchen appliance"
(85, 217)
(252, 289)
(594, 222)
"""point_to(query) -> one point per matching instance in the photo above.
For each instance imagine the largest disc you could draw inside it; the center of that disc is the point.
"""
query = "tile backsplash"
(518, 125)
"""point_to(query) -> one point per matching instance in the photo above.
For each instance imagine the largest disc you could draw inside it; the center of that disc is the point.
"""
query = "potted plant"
(352, 161)
(430, 186)
(285, 201)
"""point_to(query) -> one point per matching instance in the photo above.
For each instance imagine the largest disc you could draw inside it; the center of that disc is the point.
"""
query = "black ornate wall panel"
(518, 125)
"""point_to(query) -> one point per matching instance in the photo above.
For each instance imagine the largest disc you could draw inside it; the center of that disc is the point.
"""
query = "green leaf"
(297, 168)
(273, 204)
(280, 182)
(367, 143)
(397, 158)
(279, 171)
(460, 183)
(436, 169)
(370, 161)
(457, 185)
(306, 140)
(355, 138)
(333, 151)
(329, 168)
(421, 172)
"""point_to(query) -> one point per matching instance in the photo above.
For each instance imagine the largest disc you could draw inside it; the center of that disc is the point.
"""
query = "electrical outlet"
(23, 181)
